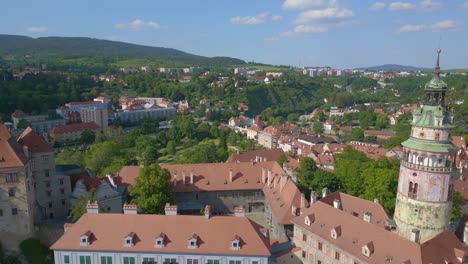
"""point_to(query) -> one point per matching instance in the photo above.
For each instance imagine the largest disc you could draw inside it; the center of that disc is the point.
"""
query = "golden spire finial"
(439, 50)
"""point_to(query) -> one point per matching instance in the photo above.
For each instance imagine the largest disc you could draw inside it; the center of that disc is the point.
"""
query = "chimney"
(191, 176)
(376, 200)
(368, 217)
(415, 235)
(313, 197)
(183, 177)
(263, 175)
(269, 177)
(275, 180)
(130, 208)
(239, 210)
(293, 210)
(337, 204)
(92, 207)
(67, 227)
(207, 212)
(230, 174)
(302, 201)
(324, 192)
(465, 234)
(170, 209)
(175, 178)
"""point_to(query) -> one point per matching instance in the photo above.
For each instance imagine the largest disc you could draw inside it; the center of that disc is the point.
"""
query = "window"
(14, 211)
(11, 177)
(61, 181)
(192, 261)
(234, 262)
(254, 262)
(66, 259)
(106, 260)
(1, 212)
(50, 204)
(85, 259)
(128, 260)
(319, 262)
(337, 255)
(47, 173)
(170, 261)
(303, 254)
(49, 193)
(304, 237)
(413, 190)
(212, 261)
(320, 246)
(147, 260)
(47, 183)
(11, 192)
(63, 202)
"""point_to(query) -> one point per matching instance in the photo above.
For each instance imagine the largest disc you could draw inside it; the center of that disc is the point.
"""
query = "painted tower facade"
(425, 184)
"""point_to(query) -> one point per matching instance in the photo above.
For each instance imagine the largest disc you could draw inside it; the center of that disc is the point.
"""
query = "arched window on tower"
(437, 136)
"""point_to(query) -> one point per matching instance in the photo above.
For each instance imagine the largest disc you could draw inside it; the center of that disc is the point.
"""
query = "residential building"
(52, 190)
(134, 116)
(97, 115)
(380, 134)
(17, 195)
(71, 132)
(241, 71)
(267, 140)
(39, 123)
(131, 238)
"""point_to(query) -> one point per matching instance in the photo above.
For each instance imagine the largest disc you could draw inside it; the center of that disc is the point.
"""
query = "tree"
(87, 136)
(150, 155)
(79, 209)
(171, 147)
(323, 179)
(305, 174)
(23, 124)
(457, 211)
(152, 190)
(357, 134)
(282, 159)
(318, 127)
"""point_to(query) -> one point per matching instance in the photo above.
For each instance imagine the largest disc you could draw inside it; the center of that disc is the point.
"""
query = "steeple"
(436, 89)
(437, 67)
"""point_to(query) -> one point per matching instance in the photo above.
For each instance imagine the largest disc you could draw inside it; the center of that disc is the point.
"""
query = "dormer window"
(128, 240)
(85, 239)
(308, 220)
(159, 241)
(235, 243)
(192, 242)
(368, 249)
(335, 232)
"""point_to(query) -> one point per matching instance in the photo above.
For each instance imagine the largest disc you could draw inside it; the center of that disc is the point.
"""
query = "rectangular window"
(85, 259)
(170, 261)
(61, 181)
(106, 260)
(320, 246)
(47, 173)
(128, 260)
(47, 183)
(337, 255)
(66, 259)
(1, 212)
(212, 261)
(11, 177)
(11, 192)
(149, 261)
(304, 237)
(254, 262)
(234, 262)
(14, 211)
(192, 261)
(49, 193)
(303, 254)
(319, 262)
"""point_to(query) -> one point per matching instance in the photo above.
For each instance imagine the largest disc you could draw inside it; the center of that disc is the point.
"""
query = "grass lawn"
(35, 252)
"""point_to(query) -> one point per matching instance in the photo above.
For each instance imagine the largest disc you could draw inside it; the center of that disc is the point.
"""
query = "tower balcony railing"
(426, 168)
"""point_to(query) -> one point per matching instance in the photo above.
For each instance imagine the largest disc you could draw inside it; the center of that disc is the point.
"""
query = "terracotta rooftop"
(90, 182)
(385, 133)
(216, 234)
(388, 246)
(33, 141)
(459, 142)
(11, 153)
(317, 139)
(75, 127)
(265, 154)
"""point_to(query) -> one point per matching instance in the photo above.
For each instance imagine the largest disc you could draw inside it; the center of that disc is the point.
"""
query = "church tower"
(425, 184)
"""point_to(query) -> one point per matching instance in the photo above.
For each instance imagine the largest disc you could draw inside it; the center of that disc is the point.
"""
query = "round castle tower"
(425, 184)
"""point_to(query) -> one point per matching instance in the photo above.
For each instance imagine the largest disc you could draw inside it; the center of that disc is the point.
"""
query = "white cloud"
(430, 4)
(302, 4)
(465, 5)
(138, 25)
(397, 6)
(377, 6)
(304, 29)
(37, 29)
(329, 13)
(254, 20)
(438, 26)
(276, 18)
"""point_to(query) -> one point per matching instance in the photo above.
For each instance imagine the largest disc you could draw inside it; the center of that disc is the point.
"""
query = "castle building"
(425, 184)
(340, 228)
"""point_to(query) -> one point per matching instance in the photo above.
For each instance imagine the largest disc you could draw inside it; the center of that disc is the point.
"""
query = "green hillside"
(12, 46)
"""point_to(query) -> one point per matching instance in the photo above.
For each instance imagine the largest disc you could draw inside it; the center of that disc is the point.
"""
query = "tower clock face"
(421, 134)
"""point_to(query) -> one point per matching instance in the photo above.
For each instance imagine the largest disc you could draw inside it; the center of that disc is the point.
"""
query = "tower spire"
(437, 67)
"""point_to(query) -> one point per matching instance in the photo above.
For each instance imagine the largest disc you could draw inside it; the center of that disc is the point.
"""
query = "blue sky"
(343, 34)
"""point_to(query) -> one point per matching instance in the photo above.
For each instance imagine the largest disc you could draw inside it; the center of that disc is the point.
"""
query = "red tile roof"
(90, 182)
(268, 154)
(75, 127)
(33, 141)
(216, 233)
(11, 153)
(385, 133)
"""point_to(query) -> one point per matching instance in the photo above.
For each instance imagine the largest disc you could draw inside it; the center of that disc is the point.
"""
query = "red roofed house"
(17, 191)
(71, 132)
(262, 188)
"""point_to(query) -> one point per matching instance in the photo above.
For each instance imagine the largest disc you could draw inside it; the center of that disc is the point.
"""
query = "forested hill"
(77, 47)
(394, 67)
